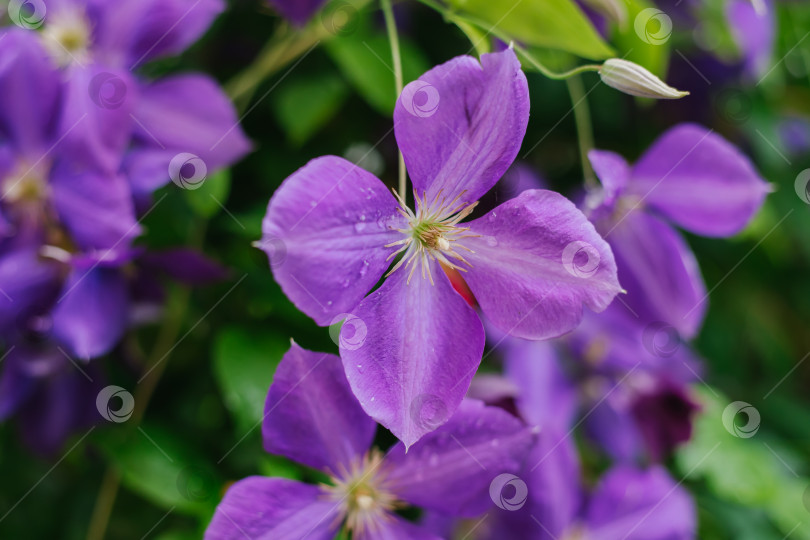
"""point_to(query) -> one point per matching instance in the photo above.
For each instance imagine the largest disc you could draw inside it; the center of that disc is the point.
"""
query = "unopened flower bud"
(635, 80)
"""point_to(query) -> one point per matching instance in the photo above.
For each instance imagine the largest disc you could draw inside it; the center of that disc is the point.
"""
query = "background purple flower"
(690, 177)
(311, 416)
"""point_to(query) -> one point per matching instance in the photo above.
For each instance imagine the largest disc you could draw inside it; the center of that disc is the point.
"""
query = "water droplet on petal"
(492, 241)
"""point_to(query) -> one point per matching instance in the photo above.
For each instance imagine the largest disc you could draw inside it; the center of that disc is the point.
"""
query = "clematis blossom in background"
(332, 230)
(690, 177)
(548, 499)
(71, 129)
(101, 45)
(312, 417)
(298, 12)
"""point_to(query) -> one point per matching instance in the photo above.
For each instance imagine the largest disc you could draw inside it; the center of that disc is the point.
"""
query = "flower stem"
(582, 117)
(393, 38)
(457, 19)
(177, 306)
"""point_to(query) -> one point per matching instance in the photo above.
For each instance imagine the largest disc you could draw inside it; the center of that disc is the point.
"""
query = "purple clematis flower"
(312, 417)
(411, 347)
(100, 44)
(299, 12)
(690, 177)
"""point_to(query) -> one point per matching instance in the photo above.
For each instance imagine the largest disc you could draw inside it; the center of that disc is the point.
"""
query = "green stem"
(285, 46)
(523, 52)
(156, 364)
(393, 39)
(582, 116)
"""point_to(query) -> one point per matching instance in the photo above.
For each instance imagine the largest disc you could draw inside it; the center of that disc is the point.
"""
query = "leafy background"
(200, 430)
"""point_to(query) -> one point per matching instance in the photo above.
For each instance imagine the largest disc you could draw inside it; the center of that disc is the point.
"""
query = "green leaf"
(304, 105)
(365, 60)
(163, 468)
(750, 471)
(555, 24)
(244, 364)
(649, 47)
(208, 199)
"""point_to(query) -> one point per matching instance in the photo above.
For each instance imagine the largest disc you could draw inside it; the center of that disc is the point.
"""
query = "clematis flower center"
(433, 233)
(362, 494)
(66, 37)
(25, 183)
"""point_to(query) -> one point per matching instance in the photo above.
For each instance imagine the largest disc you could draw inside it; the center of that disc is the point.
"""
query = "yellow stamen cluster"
(361, 492)
(433, 233)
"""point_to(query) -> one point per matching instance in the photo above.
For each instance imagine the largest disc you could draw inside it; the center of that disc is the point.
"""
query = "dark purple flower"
(312, 417)
(332, 230)
(628, 502)
(690, 177)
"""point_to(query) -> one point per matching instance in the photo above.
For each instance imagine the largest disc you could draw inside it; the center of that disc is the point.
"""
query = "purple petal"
(545, 397)
(183, 114)
(30, 89)
(451, 469)
(659, 272)
(273, 508)
(16, 384)
(664, 416)
(96, 121)
(325, 232)
(610, 422)
(96, 208)
(393, 527)
(552, 479)
(461, 124)
(184, 265)
(131, 32)
(633, 504)
(613, 172)
(414, 350)
(92, 313)
(297, 11)
(311, 415)
(62, 404)
(27, 283)
(700, 181)
(752, 25)
(536, 262)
